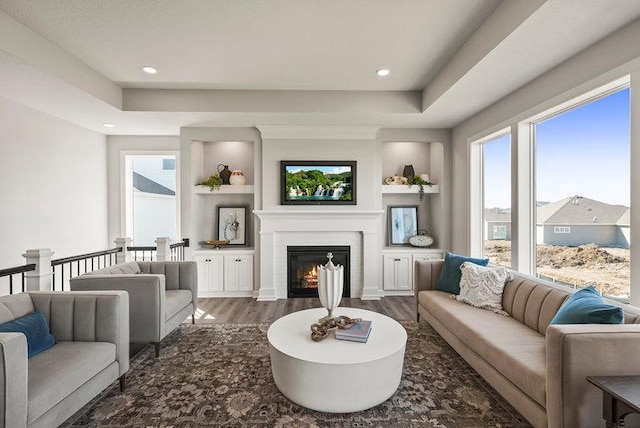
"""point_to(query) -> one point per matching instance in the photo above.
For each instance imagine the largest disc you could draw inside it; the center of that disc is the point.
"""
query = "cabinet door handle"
(238, 260)
(397, 260)
(207, 260)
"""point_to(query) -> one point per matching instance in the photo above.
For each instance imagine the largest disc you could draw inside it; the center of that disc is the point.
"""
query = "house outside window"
(561, 229)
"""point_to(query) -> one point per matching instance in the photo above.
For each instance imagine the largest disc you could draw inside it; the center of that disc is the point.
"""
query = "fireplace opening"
(302, 271)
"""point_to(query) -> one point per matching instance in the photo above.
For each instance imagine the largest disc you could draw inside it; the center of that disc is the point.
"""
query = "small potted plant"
(414, 179)
(214, 182)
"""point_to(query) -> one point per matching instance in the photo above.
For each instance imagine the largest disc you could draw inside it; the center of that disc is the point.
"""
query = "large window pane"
(152, 203)
(496, 190)
(582, 195)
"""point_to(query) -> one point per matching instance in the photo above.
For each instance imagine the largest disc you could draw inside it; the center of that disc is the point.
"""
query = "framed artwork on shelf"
(233, 223)
(403, 223)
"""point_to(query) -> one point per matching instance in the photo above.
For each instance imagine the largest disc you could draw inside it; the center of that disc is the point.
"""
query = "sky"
(584, 151)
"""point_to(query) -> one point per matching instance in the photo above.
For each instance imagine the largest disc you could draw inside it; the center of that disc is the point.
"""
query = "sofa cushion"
(482, 286)
(176, 300)
(513, 349)
(587, 307)
(57, 372)
(36, 330)
(449, 279)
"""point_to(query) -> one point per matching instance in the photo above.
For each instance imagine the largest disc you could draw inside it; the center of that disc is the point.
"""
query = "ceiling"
(250, 62)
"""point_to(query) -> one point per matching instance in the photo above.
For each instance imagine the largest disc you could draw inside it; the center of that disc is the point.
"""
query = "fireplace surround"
(302, 262)
(358, 229)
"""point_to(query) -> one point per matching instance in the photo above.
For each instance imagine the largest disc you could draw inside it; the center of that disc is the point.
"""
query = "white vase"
(237, 177)
(330, 285)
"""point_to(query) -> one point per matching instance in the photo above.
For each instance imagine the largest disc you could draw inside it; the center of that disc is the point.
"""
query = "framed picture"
(233, 224)
(403, 223)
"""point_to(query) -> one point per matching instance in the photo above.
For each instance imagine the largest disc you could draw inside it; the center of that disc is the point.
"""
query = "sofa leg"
(123, 383)
(193, 318)
(418, 316)
(157, 346)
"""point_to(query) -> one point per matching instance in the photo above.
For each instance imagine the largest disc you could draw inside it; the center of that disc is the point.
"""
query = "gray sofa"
(161, 295)
(91, 351)
(540, 369)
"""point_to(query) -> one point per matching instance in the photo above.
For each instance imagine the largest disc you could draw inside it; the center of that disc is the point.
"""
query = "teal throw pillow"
(449, 279)
(35, 328)
(587, 307)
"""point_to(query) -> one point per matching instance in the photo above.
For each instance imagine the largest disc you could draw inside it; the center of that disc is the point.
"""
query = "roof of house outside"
(625, 220)
(497, 215)
(143, 184)
(579, 210)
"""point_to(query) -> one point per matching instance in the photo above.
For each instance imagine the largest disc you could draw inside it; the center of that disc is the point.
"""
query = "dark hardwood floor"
(246, 310)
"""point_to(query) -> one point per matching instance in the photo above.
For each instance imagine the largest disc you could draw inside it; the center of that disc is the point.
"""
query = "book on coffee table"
(358, 333)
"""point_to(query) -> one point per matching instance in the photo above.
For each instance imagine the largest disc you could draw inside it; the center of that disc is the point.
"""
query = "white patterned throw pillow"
(482, 286)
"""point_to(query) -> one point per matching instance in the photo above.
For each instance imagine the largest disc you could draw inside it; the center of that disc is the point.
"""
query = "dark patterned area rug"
(219, 375)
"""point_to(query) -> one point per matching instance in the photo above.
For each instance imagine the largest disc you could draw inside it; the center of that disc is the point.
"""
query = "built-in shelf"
(404, 188)
(225, 189)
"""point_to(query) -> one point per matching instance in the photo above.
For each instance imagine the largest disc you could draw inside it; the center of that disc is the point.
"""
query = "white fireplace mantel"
(278, 225)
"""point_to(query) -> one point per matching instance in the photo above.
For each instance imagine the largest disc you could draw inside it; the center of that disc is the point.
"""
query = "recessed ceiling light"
(149, 69)
(382, 72)
(108, 125)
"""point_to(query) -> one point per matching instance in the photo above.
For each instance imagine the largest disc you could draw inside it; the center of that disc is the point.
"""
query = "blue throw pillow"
(587, 307)
(35, 327)
(449, 279)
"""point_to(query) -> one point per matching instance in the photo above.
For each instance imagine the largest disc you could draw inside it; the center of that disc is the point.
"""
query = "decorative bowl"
(217, 243)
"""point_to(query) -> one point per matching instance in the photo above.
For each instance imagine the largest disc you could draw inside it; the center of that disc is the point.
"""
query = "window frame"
(523, 180)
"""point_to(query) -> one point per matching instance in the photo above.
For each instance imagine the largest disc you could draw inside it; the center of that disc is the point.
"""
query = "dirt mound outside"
(589, 256)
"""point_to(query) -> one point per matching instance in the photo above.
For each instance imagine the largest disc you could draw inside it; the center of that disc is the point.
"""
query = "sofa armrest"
(147, 301)
(576, 351)
(13, 380)
(88, 316)
(189, 280)
(425, 276)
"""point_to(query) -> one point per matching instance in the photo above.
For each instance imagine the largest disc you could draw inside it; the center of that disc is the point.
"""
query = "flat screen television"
(317, 182)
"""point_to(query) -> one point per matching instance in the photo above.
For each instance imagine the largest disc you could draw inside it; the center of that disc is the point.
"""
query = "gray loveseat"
(91, 351)
(161, 294)
(540, 369)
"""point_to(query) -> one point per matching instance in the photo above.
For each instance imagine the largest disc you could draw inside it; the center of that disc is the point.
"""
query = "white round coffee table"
(333, 375)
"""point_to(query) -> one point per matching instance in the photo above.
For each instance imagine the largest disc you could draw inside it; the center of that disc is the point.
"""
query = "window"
(169, 164)
(496, 199)
(582, 180)
(151, 199)
(499, 232)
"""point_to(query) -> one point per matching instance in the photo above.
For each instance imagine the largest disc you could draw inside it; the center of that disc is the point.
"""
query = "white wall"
(115, 146)
(53, 185)
(607, 60)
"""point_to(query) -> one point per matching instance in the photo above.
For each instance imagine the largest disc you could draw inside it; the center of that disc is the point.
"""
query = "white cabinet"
(224, 273)
(238, 273)
(397, 267)
(210, 274)
(397, 272)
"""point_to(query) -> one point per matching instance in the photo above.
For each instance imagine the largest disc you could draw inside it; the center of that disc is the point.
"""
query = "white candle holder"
(330, 286)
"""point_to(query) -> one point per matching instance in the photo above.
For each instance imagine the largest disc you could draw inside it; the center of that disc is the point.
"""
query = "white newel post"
(123, 243)
(39, 279)
(163, 252)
